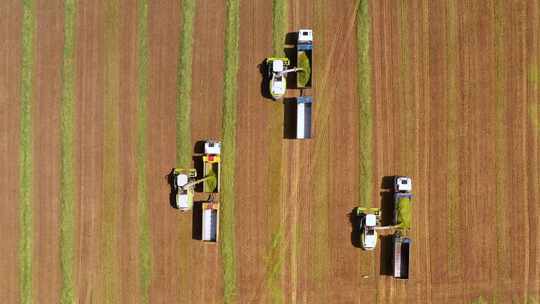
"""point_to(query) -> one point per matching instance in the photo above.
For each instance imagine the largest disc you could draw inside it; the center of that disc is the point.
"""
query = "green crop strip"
(534, 81)
(145, 249)
(26, 163)
(365, 107)
(67, 179)
(183, 101)
(500, 142)
(111, 155)
(275, 250)
(183, 115)
(453, 196)
(229, 149)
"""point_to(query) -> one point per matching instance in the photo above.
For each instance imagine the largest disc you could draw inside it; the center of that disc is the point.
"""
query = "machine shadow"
(196, 229)
(198, 150)
(172, 195)
(387, 210)
(386, 254)
(265, 80)
(289, 118)
(355, 219)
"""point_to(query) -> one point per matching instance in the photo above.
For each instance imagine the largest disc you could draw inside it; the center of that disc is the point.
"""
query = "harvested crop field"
(99, 100)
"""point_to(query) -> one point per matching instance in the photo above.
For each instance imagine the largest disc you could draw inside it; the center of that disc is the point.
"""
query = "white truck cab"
(403, 184)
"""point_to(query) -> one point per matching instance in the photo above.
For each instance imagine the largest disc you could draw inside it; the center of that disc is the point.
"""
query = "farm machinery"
(185, 180)
(279, 67)
(401, 223)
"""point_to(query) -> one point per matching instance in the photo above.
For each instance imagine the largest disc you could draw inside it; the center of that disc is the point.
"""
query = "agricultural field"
(99, 100)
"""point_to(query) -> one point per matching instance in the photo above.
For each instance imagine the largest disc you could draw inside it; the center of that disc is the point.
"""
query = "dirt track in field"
(421, 74)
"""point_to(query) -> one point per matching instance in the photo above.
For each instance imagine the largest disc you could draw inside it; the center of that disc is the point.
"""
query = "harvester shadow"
(172, 195)
(355, 220)
(386, 247)
(289, 118)
(265, 80)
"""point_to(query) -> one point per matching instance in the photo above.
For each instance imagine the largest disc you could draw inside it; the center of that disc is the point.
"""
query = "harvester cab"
(369, 221)
(182, 179)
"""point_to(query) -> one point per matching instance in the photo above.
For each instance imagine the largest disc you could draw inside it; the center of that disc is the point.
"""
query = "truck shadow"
(355, 220)
(387, 250)
(387, 210)
(196, 229)
(291, 39)
(387, 200)
(289, 118)
(198, 149)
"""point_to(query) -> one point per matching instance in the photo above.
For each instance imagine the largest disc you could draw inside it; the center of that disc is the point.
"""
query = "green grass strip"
(453, 196)
(183, 100)
(275, 251)
(67, 179)
(111, 152)
(26, 142)
(500, 142)
(227, 242)
(365, 130)
(145, 246)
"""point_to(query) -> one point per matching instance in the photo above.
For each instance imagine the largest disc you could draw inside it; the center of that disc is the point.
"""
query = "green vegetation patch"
(26, 142)
(145, 246)
(303, 75)
(229, 151)
(365, 130)
(404, 213)
(183, 100)
(279, 26)
(67, 179)
(111, 152)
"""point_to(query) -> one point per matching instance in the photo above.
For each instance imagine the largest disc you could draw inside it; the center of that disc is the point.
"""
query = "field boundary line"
(145, 246)
(67, 178)
(227, 243)
(26, 154)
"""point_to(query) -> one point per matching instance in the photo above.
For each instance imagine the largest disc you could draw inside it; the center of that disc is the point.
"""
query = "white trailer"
(303, 117)
(210, 222)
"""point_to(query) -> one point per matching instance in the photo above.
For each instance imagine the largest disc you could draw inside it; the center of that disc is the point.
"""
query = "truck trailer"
(304, 50)
(400, 258)
(210, 222)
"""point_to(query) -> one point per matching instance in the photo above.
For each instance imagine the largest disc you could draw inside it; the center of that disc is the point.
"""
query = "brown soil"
(47, 90)
(410, 81)
(10, 58)
(89, 151)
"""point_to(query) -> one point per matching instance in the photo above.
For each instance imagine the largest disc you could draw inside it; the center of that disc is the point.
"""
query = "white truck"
(210, 222)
